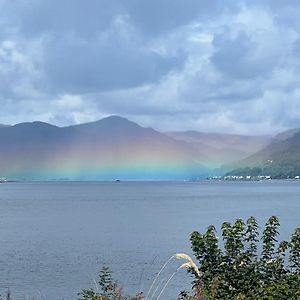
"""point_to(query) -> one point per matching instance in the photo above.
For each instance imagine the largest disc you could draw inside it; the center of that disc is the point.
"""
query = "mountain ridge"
(115, 147)
(110, 148)
(221, 147)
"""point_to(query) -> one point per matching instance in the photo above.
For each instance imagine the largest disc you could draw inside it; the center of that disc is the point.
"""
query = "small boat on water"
(3, 180)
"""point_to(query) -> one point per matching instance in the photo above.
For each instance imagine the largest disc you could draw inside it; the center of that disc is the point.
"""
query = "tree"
(237, 270)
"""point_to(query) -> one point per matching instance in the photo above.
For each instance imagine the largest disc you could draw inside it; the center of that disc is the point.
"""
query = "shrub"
(107, 289)
(244, 268)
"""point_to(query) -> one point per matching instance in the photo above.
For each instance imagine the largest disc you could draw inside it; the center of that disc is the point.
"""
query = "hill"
(117, 148)
(112, 148)
(221, 148)
(280, 159)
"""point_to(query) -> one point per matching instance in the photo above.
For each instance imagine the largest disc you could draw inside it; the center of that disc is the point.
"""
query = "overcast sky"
(228, 66)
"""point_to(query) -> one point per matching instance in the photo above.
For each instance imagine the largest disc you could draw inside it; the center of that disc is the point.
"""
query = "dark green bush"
(247, 266)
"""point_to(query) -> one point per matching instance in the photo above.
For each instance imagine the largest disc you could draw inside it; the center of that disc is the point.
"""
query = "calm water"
(56, 236)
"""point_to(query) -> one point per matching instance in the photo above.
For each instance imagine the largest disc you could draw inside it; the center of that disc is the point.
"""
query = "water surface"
(54, 237)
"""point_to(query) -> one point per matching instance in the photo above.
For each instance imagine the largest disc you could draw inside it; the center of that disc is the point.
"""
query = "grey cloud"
(285, 12)
(207, 65)
(79, 66)
(16, 70)
(222, 90)
(235, 57)
(87, 18)
(157, 17)
(89, 47)
(296, 48)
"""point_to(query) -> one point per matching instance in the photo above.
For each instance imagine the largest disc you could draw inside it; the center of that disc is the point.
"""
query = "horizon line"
(161, 131)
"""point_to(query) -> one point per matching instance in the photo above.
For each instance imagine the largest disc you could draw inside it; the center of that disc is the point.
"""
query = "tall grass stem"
(158, 274)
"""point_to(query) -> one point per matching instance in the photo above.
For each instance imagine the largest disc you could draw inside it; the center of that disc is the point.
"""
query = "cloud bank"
(174, 65)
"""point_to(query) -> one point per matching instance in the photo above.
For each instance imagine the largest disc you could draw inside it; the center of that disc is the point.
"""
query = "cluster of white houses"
(258, 177)
(247, 177)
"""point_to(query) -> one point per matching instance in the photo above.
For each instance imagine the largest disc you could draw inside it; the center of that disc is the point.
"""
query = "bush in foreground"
(247, 266)
(106, 289)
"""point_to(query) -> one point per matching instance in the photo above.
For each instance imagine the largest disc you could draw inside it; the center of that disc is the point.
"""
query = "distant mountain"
(286, 134)
(222, 148)
(116, 148)
(280, 159)
(112, 148)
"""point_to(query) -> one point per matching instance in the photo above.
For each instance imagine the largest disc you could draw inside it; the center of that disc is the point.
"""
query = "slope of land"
(223, 148)
(280, 159)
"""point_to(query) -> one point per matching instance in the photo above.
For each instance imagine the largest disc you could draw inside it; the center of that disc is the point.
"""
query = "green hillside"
(280, 159)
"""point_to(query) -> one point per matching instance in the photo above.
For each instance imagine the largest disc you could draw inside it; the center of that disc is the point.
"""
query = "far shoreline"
(152, 181)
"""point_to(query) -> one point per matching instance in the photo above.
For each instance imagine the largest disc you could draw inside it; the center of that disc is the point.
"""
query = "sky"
(207, 65)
